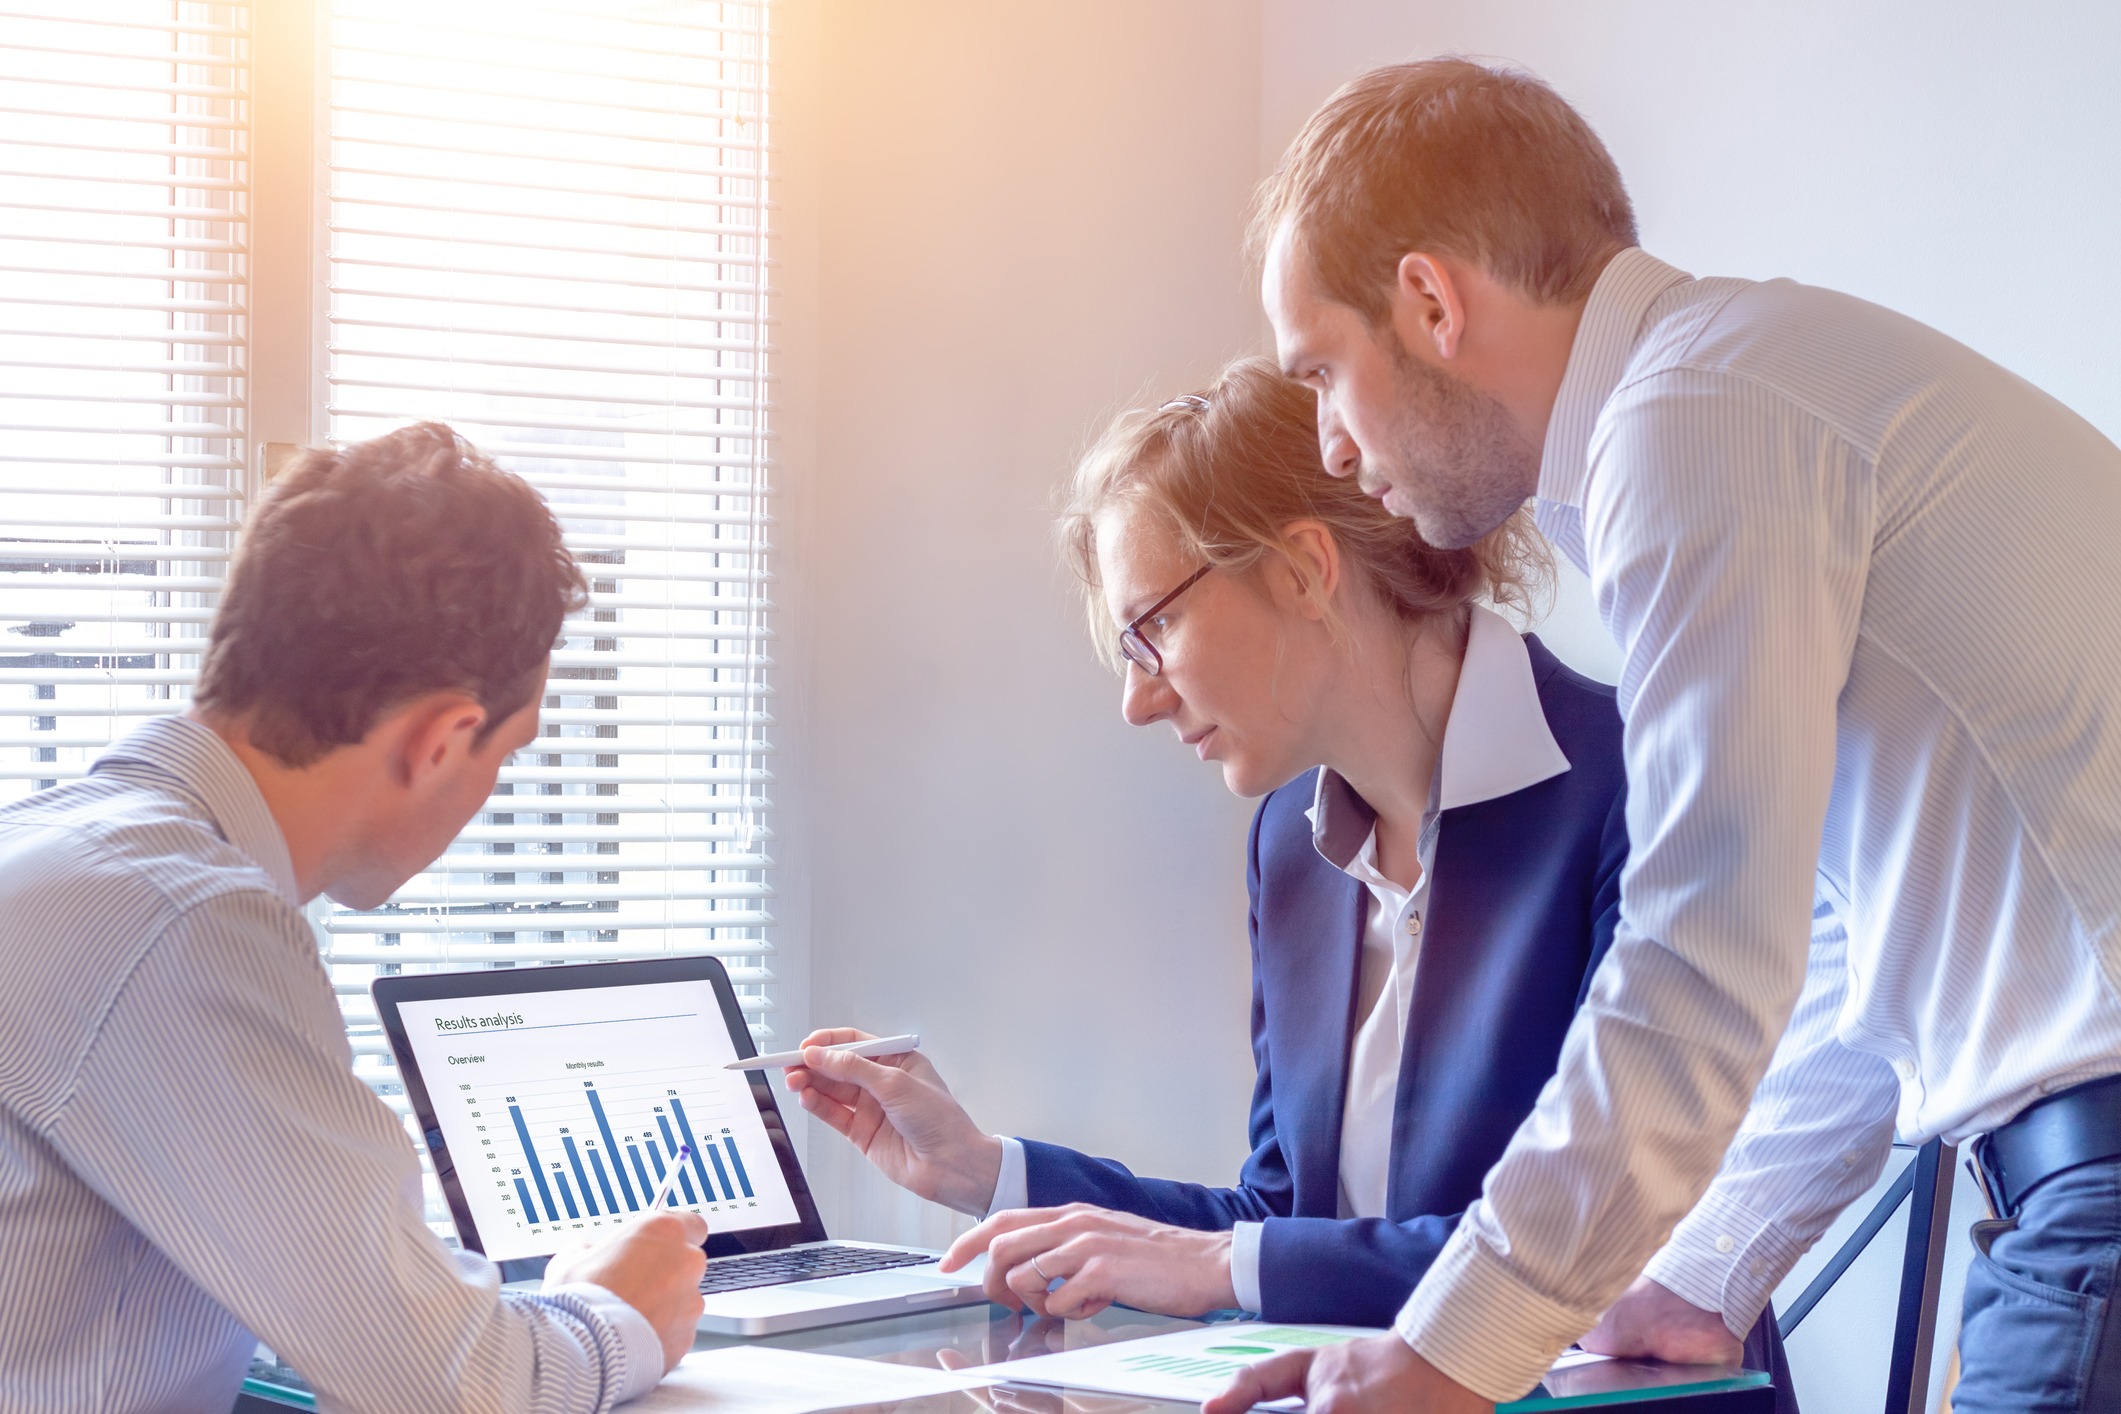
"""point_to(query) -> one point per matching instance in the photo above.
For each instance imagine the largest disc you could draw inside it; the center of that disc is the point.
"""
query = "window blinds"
(547, 227)
(124, 178)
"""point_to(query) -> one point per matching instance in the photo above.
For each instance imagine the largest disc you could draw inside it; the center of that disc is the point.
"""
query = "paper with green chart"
(1185, 1365)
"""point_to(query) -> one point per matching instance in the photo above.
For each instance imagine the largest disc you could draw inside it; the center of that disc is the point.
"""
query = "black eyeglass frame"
(1134, 645)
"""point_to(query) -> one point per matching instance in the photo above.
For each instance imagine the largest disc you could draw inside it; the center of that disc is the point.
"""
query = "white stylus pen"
(885, 1046)
(670, 1180)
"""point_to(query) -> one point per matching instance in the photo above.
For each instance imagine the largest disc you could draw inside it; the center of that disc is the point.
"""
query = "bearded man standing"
(1874, 783)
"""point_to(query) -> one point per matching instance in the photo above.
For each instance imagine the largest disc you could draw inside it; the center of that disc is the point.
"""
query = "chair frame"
(1928, 1180)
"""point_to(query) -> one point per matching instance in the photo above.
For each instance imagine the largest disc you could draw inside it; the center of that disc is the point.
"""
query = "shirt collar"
(1605, 340)
(194, 759)
(1496, 742)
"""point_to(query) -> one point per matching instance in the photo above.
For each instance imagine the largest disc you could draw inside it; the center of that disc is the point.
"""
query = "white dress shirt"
(1821, 535)
(1495, 742)
(187, 1163)
(1384, 991)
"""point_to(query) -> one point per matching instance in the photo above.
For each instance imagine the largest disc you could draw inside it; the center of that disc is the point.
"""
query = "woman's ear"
(1312, 559)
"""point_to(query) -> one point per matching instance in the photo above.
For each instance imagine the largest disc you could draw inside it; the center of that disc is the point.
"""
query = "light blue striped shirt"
(187, 1162)
(1865, 589)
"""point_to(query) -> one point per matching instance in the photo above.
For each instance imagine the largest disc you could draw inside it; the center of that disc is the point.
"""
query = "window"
(542, 222)
(123, 278)
(546, 228)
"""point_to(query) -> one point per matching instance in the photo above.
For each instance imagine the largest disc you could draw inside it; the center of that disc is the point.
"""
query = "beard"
(1457, 463)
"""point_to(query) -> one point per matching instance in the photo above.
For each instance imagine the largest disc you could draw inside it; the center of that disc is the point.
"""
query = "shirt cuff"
(643, 1347)
(1012, 1189)
(1473, 1319)
(1244, 1264)
(1723, 1257)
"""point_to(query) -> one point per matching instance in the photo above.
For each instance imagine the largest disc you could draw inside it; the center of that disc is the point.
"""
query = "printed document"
(760, 1379)
(1185, 1365)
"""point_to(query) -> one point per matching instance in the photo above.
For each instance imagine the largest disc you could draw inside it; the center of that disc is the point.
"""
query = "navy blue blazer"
(1526, 898)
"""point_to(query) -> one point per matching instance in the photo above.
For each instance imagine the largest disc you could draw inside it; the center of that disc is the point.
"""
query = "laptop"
(554, 1101)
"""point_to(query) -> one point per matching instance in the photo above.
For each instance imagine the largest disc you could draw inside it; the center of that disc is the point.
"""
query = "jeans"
(2041, 1330)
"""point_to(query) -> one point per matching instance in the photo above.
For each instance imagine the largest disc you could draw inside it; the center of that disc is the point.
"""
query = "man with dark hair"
(1874, 785)
(187, 1162)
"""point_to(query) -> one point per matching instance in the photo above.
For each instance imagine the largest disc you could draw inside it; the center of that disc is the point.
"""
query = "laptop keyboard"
(803, 1264)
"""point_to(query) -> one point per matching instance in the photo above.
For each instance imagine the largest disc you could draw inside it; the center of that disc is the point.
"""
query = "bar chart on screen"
(565, 1111)
(582, 1155)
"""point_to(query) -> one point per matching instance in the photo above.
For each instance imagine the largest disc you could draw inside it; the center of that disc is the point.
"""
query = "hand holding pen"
(653, 1264)
(900, 1114)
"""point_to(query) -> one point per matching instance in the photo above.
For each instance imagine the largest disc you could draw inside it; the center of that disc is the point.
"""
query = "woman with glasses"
(1434, 876)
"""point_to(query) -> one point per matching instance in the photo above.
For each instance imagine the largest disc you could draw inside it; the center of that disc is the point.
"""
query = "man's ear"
(1428, 307)
(1314, 565)
(431, 731)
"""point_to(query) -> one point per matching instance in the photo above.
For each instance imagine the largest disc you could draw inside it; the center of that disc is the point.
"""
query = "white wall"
(1955, 160)
(1005, 223)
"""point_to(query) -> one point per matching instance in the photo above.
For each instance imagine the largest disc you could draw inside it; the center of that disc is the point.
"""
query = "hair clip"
(1186, 400)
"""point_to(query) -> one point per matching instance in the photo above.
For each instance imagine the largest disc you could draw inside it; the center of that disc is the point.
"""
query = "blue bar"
(537, 1170)
(596, 1162)
(684, 1178)
(582, 1177)
(686, 1130)
(530, 1209)
(655, 1156)
(721, 1173)
(737, 1162)
(647, 1188)
(611, 1144)
(566, 1193)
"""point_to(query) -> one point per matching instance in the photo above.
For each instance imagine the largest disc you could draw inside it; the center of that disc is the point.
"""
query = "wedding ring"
(1040, 1270)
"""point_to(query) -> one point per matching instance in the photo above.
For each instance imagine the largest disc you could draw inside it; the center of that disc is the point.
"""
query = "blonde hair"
(1489, 165)
(1227, 470)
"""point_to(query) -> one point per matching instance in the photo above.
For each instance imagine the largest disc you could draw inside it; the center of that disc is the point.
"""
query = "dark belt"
(2079, 1126)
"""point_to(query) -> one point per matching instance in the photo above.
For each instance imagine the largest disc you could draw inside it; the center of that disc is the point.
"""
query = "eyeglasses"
(1135, 646)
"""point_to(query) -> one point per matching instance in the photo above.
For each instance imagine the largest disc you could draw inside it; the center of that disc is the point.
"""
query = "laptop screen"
(563, 1109)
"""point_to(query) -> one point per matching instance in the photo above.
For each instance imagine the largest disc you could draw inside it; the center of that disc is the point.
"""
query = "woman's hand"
(1101, 1257)
(900, 1114)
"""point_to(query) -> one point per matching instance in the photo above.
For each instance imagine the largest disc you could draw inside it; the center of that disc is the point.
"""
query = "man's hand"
(1101, 1257)
(654, 1266)
(900, 1114)
(1649, 1320)
(1381, 1375)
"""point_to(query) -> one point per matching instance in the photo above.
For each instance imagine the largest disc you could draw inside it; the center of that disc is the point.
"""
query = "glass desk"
(977, 1335)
